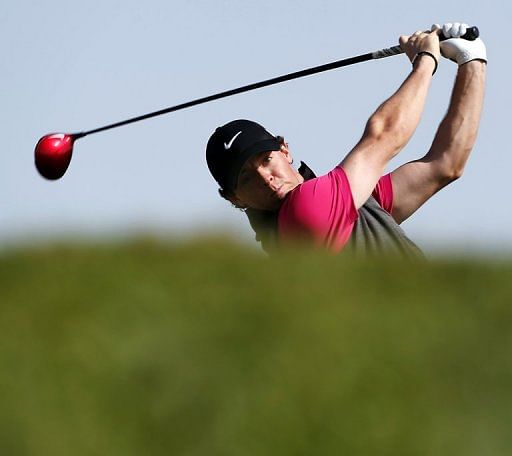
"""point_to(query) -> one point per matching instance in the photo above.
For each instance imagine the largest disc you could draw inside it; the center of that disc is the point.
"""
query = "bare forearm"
(457, 132)
(399, 115)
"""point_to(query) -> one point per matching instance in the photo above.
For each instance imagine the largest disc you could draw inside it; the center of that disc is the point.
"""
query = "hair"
(227, 194)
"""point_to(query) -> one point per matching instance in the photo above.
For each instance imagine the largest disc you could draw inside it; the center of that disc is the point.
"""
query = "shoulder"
(313, 195)
(319, 207)
(322, 186)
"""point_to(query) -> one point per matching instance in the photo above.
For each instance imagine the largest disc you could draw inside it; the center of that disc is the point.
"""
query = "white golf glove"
(457, 49)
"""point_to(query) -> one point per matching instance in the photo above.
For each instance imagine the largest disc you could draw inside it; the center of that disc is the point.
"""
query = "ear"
(286, 152)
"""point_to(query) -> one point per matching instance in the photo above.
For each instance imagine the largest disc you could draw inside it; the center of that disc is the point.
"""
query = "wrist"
(423, 58)
(475, 62)
(475, 67)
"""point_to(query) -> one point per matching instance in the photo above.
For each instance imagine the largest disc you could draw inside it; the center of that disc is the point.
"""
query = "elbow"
(449, 159)
(457, 172)
(444, 177)
(453, 174)
(389, 131)
(449, 173)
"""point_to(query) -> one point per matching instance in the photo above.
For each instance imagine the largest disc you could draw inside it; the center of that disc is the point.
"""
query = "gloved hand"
(457, 49)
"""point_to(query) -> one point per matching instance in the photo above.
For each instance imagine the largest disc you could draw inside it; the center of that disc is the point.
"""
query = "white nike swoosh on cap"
(230, 143)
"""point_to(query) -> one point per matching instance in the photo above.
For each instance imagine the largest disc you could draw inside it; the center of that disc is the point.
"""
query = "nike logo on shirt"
(230, 143)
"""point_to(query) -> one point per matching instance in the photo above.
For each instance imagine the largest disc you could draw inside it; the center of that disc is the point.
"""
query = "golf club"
(53, 151)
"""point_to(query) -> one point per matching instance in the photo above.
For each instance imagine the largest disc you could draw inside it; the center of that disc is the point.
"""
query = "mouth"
(279, 192)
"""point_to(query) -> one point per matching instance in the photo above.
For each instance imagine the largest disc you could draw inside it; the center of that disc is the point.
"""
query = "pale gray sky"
(72, 66)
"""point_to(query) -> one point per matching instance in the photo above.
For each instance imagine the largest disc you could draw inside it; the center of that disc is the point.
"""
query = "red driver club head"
(53, 154)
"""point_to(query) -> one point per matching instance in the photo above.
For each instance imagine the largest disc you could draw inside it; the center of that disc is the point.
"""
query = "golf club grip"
(472, 33)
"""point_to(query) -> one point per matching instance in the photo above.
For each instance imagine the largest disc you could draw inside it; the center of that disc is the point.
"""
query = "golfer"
(355, 206)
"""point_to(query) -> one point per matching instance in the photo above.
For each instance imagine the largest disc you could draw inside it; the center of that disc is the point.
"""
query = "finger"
(436, 28)
(403, 39)
(463, 29)
(456, 30)
(447, 30)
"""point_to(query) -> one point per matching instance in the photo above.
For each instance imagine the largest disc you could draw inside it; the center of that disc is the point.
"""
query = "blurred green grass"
(207, 348)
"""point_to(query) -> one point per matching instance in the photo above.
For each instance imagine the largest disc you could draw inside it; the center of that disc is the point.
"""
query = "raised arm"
(415, 182)
(391, 126)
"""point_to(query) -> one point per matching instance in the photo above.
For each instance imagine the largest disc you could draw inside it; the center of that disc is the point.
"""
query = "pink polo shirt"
(321, 211)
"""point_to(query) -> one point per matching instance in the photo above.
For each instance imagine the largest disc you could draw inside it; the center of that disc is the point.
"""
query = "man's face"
(265, 179)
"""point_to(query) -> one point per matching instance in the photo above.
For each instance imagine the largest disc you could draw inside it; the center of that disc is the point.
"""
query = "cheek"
(288, 174)
(285, 170)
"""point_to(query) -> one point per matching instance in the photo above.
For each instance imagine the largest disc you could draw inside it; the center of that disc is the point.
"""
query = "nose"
(265, 175)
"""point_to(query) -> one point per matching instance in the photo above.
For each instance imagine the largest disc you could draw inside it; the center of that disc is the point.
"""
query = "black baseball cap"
(231, 145)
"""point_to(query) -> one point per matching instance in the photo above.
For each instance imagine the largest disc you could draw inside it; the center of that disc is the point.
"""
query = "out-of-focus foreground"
(210, 349)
